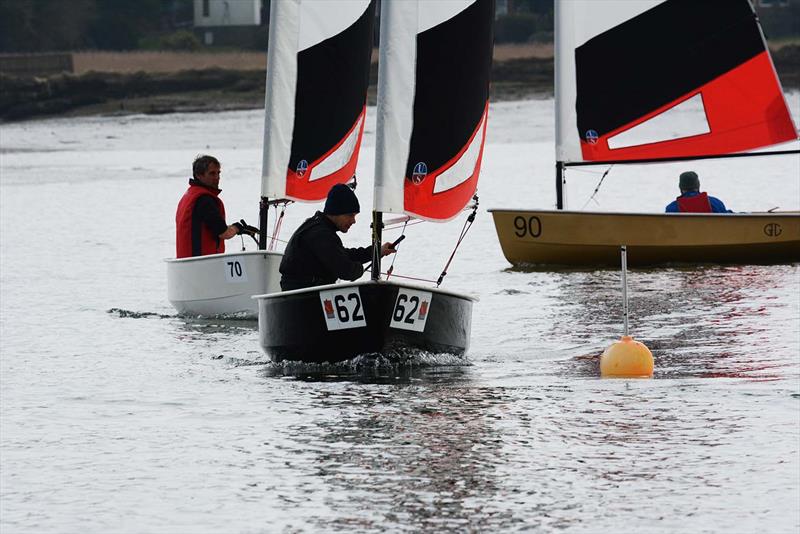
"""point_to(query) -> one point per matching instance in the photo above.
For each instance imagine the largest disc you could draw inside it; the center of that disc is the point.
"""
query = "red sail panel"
(303, 182)
(419, 195)
(744, 108)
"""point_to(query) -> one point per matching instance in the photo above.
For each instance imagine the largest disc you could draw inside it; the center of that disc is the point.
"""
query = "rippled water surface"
(118, 416)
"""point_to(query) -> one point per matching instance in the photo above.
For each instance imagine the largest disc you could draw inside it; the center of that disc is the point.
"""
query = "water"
(117, 416)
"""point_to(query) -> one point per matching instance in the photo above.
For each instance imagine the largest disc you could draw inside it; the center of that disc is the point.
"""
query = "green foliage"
(179, 40)
(541, 7)
(514, 28)
(44, 25)
(40, 25)
(119, 24)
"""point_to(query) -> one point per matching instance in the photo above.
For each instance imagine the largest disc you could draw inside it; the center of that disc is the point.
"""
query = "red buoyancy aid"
(209, 243)
(695, 204)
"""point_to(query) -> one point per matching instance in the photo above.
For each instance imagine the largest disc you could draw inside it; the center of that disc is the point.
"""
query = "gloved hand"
(244, 228)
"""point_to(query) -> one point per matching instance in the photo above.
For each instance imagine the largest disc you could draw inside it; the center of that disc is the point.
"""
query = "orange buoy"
(626, 358)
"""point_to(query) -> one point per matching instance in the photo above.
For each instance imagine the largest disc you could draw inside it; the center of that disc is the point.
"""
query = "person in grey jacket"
(315, 255)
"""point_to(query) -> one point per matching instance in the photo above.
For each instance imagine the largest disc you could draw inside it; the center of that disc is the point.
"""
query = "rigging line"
(411, 278)
(464, 230)
(391, 267)
(386, 228)
(586, 170)
(277, 227)
(596, 189)
(682, 158)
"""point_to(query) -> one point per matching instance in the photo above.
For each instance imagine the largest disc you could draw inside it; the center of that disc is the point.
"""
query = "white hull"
(222, 284)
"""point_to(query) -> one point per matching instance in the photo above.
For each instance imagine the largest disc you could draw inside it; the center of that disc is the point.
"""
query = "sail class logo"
(328, 306)
(591, 137)
(419, 174)
(773, 229)
(302, 167)
(423, 309)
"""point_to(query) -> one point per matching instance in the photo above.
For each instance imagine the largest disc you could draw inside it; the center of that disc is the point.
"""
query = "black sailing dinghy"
(433, 94)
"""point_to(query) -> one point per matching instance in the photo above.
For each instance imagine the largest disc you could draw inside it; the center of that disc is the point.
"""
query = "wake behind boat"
(650, 81)
(431, 123)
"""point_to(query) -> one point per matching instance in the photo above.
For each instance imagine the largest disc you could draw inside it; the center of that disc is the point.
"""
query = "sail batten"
(616, 85)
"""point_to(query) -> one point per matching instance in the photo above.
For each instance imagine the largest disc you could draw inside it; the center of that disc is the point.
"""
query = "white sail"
(577, 21)
(647, 80)
(437, 180)
(295, 26)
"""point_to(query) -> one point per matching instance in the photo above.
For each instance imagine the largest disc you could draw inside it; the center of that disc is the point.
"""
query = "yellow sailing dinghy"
(688, 80)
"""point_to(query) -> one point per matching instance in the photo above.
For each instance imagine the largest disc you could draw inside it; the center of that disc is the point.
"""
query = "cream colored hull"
(591, 238)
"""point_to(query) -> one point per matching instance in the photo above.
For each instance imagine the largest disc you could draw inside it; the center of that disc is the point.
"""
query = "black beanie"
(341, 200)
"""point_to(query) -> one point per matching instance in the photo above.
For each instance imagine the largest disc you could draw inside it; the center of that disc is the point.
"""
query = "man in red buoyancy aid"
(200, 219)
(692, 200)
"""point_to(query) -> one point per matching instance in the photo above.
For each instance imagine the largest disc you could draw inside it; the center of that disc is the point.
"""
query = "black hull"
(293, 325)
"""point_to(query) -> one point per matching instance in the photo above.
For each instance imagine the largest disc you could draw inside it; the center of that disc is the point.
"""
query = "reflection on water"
(443, 450)
(736, 321)
(116, 415)
(425, 452)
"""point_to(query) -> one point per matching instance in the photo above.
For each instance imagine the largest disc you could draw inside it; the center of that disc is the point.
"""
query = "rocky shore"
(104, 93)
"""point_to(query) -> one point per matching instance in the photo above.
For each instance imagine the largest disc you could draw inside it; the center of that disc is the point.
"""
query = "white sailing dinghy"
(317, 78)
(624, 69)
(433, 93)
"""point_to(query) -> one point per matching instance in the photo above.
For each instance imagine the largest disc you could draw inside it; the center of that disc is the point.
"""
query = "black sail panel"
(332, 81)
(452, 84)
(658, 56)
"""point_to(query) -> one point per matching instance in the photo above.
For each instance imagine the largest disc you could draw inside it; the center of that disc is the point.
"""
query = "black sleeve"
(360, 254)
(335, 258)
(206, 211)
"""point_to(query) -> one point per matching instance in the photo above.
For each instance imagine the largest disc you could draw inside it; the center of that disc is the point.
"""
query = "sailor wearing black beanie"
(341, 201)
(315, 255)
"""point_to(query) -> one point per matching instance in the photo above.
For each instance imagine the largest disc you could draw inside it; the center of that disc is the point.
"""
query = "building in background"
(234, 23)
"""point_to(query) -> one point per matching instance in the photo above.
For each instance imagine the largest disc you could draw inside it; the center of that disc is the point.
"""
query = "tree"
(40, 25)
(120, 24)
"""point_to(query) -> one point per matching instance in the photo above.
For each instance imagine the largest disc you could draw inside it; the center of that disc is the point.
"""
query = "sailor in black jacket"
(315, 254)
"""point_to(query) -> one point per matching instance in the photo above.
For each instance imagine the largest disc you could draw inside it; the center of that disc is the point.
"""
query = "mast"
(377, 231)
(560, 79)
(560, 185)
(263, 213)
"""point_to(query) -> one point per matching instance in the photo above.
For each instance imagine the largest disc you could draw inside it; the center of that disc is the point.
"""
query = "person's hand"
(244, 228)
(387, 249)
(229, 232)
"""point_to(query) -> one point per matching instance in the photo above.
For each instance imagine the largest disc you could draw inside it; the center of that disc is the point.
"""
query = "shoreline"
(218, 89)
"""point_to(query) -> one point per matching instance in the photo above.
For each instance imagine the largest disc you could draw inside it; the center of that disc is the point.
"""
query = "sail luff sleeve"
(567, 145)
(279, 99)
(396, 73)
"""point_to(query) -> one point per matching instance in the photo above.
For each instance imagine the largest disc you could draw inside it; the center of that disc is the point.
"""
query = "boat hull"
(545, 237)
(379, 317)
(222, 284)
